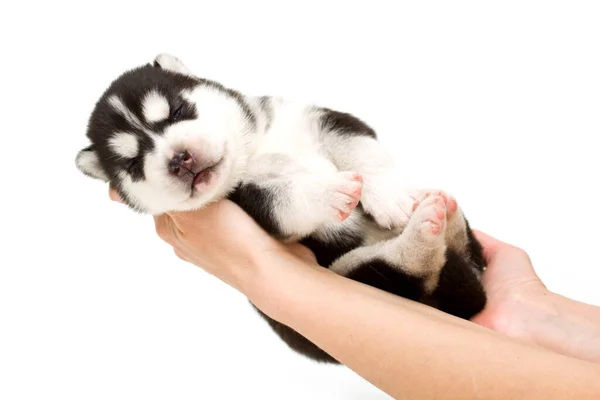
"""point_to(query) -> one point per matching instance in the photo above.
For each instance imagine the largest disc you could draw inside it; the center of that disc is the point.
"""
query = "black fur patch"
(257, 202)
(327, 252)
(475, 249)
(459, 291)
(344, 124)
(296, 341)
(382, 275)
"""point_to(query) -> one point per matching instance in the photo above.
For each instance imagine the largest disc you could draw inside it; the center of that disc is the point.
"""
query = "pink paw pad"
(351, 192)
(440, 214)
(435, 227)
(342, 215)
(433, 211)
(452, 206)
(439, 198)
(353, 186)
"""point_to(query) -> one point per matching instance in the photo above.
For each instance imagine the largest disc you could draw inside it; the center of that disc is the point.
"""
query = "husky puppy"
(168, 140)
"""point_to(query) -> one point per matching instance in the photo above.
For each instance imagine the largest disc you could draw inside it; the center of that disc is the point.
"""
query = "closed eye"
(176, 114)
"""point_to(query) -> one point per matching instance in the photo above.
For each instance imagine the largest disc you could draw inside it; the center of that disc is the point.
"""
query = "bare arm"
(409, 350)
(406, 349)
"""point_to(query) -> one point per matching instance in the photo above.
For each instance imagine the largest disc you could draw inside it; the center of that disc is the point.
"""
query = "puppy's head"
(165, 139)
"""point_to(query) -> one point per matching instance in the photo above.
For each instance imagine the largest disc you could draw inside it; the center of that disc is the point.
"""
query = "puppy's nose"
(181, 163)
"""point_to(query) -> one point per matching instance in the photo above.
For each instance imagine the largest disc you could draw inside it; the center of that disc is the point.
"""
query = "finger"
(180, 254)
(165, 228)
(196, 219)
(114, 196)
(490, 245)
(180, 219)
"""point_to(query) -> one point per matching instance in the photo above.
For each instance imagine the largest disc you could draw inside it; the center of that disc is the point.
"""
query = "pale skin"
(529, 343)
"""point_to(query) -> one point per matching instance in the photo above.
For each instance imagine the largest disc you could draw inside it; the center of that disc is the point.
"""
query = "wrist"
(534, 316)
(560, 324)
(264, 277)
(256, 261)
(280, 279)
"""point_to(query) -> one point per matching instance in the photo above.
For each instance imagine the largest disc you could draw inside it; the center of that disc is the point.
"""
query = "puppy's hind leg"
(459, 236)
(409, 264)
(459, 291)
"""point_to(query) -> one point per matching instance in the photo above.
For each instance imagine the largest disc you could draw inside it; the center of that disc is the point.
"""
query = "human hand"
(520, 305)
(224, 241)
(513, 288)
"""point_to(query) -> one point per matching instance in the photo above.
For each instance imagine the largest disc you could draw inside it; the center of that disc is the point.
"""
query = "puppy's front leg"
(353, 146)
(292, 207)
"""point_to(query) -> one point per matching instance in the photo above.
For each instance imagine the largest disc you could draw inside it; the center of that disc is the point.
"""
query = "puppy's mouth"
(203, 178)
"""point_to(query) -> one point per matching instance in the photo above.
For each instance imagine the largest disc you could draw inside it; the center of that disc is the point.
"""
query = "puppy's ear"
(171, 63)
(87, 161)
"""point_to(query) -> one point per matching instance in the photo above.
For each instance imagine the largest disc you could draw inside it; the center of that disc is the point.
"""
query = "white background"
(497, 102)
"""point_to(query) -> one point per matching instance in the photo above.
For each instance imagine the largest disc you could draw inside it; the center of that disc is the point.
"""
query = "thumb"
(187, 221)
(508, 264)
(166, 228)
(490, 245)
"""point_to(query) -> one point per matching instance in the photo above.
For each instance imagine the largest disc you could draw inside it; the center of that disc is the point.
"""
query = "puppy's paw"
(387, 201)
(430, 214)
(345, 193)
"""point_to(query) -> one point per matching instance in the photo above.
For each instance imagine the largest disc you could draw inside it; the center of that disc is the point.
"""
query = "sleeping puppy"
(168, 140)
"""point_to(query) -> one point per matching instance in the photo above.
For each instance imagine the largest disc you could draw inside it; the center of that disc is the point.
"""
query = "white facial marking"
(124, 144)
(155, 107)
(122, 109)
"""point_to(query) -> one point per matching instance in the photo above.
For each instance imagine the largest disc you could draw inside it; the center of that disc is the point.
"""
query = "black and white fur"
(168, 140)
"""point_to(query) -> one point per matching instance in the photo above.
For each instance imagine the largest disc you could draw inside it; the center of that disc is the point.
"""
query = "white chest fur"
(292, 150)
(292, 142)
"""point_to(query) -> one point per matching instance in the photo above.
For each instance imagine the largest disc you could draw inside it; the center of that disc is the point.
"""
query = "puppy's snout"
(181, 163)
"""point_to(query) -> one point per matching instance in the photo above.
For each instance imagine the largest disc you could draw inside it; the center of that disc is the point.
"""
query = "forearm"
(407, 349)
(563, 325)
